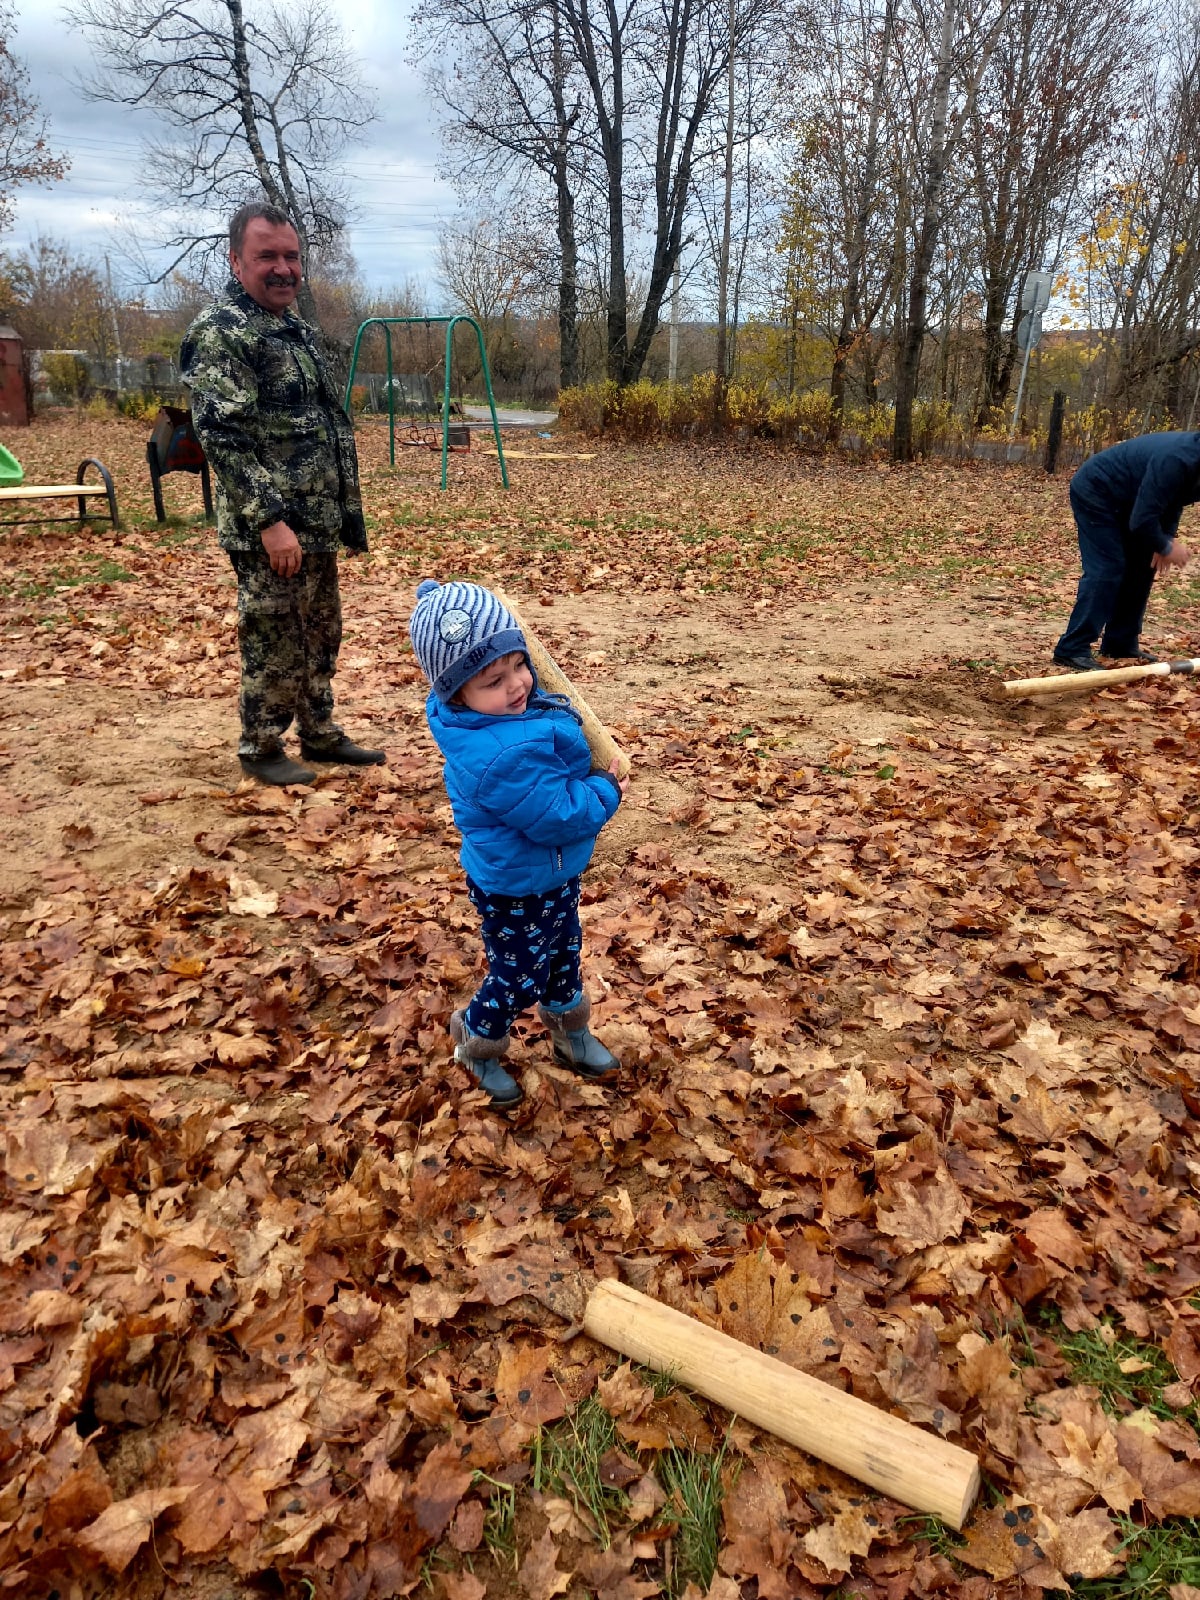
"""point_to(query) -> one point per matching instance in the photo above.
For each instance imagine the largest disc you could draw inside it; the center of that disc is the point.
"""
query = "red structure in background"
(15, 395)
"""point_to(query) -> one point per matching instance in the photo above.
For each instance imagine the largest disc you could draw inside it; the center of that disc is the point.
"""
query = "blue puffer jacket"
(522, 790)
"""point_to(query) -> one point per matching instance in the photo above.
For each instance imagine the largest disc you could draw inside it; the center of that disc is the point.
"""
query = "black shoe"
(1080, 661)
(344, 751)
(280, 770)
(1142, 657)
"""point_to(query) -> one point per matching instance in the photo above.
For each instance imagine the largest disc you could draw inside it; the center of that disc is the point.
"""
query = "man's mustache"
(277, 280)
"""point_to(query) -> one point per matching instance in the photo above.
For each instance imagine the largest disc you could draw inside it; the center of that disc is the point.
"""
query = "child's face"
(501, 689)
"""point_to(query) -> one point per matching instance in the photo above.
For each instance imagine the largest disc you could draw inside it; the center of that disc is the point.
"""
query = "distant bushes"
(648, 410)
(807, 420)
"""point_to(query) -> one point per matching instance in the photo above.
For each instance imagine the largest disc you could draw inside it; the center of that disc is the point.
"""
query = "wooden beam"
(917, 1468)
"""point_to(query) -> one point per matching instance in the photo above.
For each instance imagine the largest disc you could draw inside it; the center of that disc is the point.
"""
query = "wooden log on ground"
(552, 678)
(1089, 682)
(912, 1466)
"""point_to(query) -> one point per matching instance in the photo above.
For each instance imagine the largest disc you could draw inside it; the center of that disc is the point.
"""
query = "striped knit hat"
(457, 629)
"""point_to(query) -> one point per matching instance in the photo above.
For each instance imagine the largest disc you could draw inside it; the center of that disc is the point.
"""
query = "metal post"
(487, 383)
(1012, 432)
(387, 323)
(673, 359)
(1054, 439)
(391, 388)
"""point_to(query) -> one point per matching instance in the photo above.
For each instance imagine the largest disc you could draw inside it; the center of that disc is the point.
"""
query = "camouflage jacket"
(272, 425)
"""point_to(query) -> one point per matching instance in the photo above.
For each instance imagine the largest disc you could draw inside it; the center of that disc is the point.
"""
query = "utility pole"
(673, 358)
(112, 308)
(722, 361)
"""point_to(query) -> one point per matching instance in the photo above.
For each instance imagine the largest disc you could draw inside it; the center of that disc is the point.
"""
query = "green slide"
(11, 471)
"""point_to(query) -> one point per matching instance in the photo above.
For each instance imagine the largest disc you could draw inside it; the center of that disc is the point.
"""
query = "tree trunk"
(909, 363)
(568, 282)
(568, 290)
(852, 300)
(722, 356)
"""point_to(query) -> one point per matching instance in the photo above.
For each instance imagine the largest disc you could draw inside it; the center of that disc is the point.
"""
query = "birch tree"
(506, 76)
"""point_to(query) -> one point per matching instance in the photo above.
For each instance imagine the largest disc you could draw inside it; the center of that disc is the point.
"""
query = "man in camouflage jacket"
(282, 450)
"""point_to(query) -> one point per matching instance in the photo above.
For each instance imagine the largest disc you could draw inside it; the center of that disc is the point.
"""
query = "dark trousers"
(289, 633)
(1115, 587)
(532, 945)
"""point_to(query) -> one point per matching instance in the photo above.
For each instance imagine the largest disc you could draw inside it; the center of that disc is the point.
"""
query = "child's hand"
(622, 783)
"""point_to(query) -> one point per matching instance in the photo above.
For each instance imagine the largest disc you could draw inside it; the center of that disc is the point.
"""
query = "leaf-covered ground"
(904, 979)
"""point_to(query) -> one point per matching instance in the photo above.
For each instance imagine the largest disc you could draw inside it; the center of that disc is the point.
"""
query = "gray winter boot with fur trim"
(481, 1057)
(575, 1047)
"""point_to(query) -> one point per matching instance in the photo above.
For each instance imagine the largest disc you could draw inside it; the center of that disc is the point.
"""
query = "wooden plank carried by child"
(551, 677)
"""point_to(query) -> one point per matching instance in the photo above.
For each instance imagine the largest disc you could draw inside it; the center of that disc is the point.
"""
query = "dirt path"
(128, 782)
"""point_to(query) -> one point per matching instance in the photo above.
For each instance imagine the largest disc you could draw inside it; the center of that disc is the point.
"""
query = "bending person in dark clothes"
(1127, 502)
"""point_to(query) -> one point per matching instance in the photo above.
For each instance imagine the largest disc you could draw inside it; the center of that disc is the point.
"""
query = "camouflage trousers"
(289, 632)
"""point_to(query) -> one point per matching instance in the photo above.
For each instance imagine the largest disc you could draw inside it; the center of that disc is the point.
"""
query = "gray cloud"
(392, 179)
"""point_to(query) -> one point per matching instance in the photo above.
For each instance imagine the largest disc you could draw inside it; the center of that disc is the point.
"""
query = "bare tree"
(1142, 242)
(1046, 106)
(839, 90)
(25, 153)
(730, 180)
(487, 269)
(258, 99)
(956, 39)
(507, 78)
(653, 71)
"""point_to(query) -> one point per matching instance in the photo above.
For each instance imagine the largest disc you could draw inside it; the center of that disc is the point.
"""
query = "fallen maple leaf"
(920, 1215)
(539, 1575)
(461, 1586)
(120, 1531)
(836, 1543)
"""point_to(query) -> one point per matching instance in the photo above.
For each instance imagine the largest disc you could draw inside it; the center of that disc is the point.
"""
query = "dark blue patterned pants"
(532, 947)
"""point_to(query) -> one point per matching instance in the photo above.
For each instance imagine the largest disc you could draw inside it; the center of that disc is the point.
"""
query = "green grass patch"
(1156, 1559)
(93, 569)
(567, 1457)
(180, 533)
(500, 1520)
(695, 1486)
(932, 1531)
(1126, 1372)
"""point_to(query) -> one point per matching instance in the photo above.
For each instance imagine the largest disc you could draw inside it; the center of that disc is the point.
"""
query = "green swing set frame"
(387, 324)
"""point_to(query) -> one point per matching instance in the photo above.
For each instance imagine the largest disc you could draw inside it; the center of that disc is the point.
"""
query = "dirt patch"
(132, 783)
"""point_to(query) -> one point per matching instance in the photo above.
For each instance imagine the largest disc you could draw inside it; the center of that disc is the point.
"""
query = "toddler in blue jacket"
(518, 772)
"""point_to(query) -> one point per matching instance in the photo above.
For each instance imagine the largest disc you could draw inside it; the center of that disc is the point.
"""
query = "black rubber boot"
(481, 1057)
(1081, 661)
(279, 770)
(345, 751)
(575, 1047)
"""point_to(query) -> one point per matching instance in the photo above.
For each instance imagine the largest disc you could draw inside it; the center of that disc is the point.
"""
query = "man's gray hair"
(245, 215)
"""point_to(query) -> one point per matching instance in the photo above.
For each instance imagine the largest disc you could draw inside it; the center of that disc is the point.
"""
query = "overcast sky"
(392, 177)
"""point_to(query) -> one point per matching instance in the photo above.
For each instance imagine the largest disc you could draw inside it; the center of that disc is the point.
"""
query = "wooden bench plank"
(52, 491)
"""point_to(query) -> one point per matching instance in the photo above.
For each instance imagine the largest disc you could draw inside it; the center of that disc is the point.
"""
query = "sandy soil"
(133, 783)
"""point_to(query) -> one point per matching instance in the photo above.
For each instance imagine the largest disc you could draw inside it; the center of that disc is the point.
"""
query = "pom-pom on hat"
(457, 629)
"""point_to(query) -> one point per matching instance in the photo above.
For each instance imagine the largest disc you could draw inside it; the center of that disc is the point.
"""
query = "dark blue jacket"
(1144, 483)
(524, 795)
